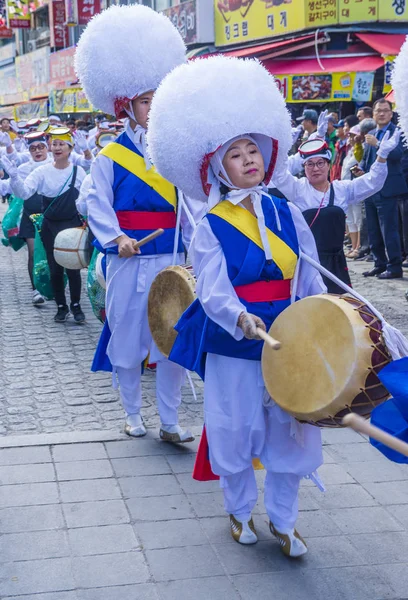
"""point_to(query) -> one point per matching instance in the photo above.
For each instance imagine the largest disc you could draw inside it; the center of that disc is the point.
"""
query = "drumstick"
(268, 339)
(359, 424)
(148, 238)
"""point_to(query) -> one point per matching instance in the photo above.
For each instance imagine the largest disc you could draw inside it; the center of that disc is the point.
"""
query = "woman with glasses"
(324, 204)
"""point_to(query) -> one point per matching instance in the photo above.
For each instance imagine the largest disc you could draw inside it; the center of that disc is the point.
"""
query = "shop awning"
(383, 43)
(263, 48)
(331, 65)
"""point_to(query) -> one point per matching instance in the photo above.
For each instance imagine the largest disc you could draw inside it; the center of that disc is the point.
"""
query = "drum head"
(316, 359)
(171, 293)
(311, 147)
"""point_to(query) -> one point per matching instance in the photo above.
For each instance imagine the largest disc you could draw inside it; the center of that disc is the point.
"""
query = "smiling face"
(38, 151)
(244, 164)
(60, 149)
(141, 107)
(317, 170)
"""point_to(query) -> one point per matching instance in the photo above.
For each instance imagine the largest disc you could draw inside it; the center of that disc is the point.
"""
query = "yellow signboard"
(357, 11)
(393, 10)
(334, 87)
(238, 21)
(388, 67)
(319, 13)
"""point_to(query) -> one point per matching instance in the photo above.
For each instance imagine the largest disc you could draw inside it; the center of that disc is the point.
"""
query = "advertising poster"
(327, 87)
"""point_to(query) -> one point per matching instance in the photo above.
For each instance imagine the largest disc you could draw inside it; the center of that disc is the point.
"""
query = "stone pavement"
(124, 519)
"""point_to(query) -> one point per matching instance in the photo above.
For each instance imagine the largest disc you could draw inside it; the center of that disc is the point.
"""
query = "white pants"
(242, 422)
(354, 217)
(128, 282)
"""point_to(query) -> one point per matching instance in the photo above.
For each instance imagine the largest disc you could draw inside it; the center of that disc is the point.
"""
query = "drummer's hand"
(248, 323)
(126, 246)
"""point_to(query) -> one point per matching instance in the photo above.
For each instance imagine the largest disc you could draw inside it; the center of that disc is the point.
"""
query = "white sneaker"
(134, 426)
(291, 542)
(176, 435)
(37, 298)
(243, 532)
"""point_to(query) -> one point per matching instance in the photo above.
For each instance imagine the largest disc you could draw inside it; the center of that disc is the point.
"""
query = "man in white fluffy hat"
(121, 58)
(221, 142)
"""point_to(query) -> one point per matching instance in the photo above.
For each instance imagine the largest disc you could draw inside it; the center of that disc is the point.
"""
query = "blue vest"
(133, 194)
(246, 263)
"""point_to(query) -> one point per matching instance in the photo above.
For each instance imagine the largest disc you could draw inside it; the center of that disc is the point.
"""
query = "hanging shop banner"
(69, 101)
(363, 87)
(393, 10)
(33, 69)
(62, 68)
(319, 13)
(184, 17)
(388, 68)
(238, 21)
(29, 110)
(358, 11)
(71, 12)
(87, 9)
(58, 27)
(330, 87)
(5, 32)
(18, 14)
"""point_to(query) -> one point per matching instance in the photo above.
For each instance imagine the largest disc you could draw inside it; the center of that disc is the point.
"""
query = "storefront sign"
(62, 66)
(327, 87)
(58, 28)
(87, 9)
(29, 110)
(69, 101)
(388, 68)
(357, 11)
(393, 10)
(319, 13)
(18, 14)
(5, 32)
(238, 21)
(33, 69)
(184, 17)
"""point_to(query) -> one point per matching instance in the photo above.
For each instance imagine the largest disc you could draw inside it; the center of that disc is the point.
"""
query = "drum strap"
(247, 224)
(135, 164)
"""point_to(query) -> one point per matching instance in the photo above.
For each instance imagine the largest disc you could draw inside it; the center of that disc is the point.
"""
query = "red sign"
(62, 66)
(59, 30)
(87, 9)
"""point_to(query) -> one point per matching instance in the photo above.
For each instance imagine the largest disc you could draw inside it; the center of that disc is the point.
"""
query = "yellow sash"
(246, 223)
(135, 164)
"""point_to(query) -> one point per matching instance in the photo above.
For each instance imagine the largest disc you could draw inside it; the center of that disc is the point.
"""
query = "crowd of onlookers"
(377, 229)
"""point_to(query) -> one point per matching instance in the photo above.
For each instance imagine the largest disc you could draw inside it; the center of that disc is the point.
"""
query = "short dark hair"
(351, 120)
(367, 110)
(381, 101)
(71, 122)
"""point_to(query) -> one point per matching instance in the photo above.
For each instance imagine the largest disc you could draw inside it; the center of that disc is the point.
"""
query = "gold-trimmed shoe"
(292, 544)
(176, 435)
(243, 533)
(134, 426)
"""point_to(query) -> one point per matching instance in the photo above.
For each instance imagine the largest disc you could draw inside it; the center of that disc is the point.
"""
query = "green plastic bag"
(11, 224)
(41, 270)
(96, 293)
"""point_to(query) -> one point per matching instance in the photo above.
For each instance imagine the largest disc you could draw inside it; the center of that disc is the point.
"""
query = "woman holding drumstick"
(217, 148)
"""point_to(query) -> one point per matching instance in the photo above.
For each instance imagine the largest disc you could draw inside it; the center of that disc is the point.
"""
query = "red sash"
(134, 219)
(264, 291)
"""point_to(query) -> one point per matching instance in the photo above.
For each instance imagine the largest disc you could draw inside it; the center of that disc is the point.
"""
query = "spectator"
(335, 116)
(71, 125)
(354, 215)
(309, 121)
(331, 136)
(365, 112)
(382, 207)
(341, 151)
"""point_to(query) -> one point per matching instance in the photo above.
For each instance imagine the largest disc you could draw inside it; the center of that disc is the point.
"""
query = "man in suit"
(382, 208)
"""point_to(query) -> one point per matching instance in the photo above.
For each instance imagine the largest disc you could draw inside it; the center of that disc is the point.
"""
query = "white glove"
(296, 131)
(81, 141)
(5, 139)
(248, 323)
(322, 124)
(9, 166)
(388, 143)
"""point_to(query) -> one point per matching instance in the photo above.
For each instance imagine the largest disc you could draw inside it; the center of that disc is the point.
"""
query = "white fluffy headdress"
(400, 85)
(202, 105)
(124, 51)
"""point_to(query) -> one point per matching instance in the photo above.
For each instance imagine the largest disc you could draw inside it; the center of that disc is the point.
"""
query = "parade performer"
(324, 205)
(121, 58)
(58, 183)
(223, 148)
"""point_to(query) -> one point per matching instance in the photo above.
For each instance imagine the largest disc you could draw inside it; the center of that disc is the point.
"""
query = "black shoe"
(76, 310)
(362, 253)
(62, 314)
(390, 275)
(370, 258)
(374, 272)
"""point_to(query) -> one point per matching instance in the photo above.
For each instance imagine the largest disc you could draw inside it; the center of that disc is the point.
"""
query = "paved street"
(86, 514)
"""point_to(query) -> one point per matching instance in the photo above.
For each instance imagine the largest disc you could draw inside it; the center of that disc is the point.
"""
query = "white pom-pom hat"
(123, 52)
(202, 105)
(400, 86)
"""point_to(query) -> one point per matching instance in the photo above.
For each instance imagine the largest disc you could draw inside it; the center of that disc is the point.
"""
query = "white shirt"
(83, 195)
(46, 180)
(348, 162)
(305, 196)
(24, 171)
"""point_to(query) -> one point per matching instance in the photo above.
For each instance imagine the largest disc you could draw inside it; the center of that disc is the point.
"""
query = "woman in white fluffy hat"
(221, 142)
(121, 58)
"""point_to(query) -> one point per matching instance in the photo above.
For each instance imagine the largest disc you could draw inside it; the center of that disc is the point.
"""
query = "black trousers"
(49, 231)
(403, 219)
(383, 231)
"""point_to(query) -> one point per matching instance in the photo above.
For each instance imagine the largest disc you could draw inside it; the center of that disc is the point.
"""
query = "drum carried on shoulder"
(72, 249)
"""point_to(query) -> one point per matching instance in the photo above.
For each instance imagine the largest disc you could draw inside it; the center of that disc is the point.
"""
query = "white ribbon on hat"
(140, 138)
